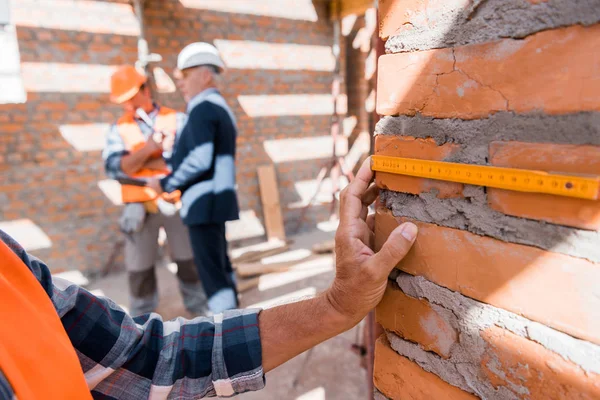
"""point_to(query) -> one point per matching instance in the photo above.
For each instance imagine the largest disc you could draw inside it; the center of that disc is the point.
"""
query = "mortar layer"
(447, 24)
(474, 136)
(471, 213)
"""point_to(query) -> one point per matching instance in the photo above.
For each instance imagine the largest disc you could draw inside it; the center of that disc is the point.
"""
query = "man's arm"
(360, 281)
(225, 355)
(118, 162)
(132, 162)
(199, 135)
(187, 359)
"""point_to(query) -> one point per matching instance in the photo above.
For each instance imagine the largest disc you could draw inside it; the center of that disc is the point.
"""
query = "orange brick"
(66, 47)
(52, 106)
(87, 106)
(399, 378)
(45, 35)
(545, 374)
(551, 288)
(559, 158)
(415, 320)
(11, 128)
(409, 147)
(473, 81)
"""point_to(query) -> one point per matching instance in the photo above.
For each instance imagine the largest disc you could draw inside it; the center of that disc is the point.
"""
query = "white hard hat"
(199, 53)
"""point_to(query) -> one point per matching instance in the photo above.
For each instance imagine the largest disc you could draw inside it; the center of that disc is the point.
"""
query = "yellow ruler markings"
(520, 180)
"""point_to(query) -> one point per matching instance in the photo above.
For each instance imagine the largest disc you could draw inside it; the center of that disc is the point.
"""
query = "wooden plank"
(244, 285)
(252, 269)
(269, 195)
(271, 244)
(252, 256)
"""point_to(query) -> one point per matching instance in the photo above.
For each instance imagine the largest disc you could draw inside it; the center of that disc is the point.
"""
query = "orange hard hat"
(125, 82)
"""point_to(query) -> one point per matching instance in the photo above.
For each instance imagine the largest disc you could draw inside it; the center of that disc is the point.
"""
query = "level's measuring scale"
(503, 178)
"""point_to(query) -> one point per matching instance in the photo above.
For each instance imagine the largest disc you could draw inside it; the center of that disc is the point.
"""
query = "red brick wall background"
(67, 54)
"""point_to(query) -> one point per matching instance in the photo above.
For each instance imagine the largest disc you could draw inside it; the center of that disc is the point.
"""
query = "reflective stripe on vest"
(36, 355)
(133, 138)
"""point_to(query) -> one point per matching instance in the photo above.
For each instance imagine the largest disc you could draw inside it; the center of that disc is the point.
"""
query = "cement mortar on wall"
(462, 375)
(450, 25)
(468, 315)
(469, 318)
(474, 136)
(472, 214)
(378, 396)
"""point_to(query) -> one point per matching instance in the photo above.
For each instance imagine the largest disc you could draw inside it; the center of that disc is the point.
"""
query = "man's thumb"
(397, 245)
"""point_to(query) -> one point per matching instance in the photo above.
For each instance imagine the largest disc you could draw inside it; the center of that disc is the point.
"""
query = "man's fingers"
(371, 222)
(362, 180)
(395, 247)
(370, 195)
(352, 196)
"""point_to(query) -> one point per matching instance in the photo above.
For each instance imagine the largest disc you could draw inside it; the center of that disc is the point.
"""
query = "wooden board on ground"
(244, 285)
(269, 195)
(271, 244)
(257, 255)
(258, 268)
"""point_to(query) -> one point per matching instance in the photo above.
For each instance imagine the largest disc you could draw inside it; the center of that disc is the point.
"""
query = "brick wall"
(498, 299)
(53, 191)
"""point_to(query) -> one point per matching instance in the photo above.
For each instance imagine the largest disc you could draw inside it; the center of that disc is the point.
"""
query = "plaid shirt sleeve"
(126, 358)
(6, 391)
(113, 151)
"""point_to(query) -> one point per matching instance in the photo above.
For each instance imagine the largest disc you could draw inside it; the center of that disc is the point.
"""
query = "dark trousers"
(210, 255)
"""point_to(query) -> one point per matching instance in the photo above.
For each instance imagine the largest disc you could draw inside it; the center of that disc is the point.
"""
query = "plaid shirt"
(137, 358)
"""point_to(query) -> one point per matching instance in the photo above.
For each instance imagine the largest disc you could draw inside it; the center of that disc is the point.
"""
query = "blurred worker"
(59, 341)
(204, 171)
(139, 148)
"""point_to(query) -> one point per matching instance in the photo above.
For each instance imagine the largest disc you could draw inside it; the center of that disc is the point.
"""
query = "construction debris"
(324, 247)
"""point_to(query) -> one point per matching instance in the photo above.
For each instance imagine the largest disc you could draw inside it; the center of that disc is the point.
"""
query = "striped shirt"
(142, 357)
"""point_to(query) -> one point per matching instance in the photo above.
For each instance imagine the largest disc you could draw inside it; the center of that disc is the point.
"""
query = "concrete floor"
(331, 371)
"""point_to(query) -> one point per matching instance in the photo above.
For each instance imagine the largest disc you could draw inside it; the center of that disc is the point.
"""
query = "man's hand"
(154, 145)
(361, 274)
(360, 280)
(168, 142)
(154, 184)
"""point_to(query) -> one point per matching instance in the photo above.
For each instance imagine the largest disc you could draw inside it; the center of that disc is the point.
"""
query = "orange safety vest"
(133, 138)
(36, 355)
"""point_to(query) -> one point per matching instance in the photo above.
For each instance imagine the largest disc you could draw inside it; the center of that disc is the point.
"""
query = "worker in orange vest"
(138, 147)
(59, 341)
